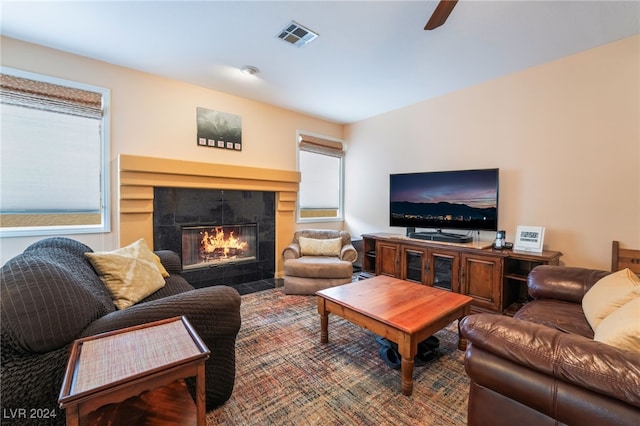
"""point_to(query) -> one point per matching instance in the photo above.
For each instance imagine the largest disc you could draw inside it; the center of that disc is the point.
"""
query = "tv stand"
(496, 279)
(441, 236)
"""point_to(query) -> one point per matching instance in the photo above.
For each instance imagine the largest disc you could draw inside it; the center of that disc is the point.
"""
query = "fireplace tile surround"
(139, 177)
(178, 208)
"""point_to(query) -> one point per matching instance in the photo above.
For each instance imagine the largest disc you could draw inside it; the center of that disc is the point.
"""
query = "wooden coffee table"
(403, 312)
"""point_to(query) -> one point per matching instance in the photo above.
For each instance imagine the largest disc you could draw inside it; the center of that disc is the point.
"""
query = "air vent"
(297, 35)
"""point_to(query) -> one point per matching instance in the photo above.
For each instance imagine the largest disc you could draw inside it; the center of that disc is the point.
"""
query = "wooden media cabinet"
(495, 279)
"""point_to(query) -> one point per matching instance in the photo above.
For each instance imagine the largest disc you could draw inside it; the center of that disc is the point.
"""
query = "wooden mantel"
(137, 176)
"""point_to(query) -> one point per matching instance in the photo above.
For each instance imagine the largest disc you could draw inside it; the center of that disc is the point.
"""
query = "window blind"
(321, 146)
(40, 95)
(53, 155)
(320, 185)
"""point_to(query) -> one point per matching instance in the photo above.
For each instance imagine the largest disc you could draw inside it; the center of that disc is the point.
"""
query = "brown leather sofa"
(542, 367)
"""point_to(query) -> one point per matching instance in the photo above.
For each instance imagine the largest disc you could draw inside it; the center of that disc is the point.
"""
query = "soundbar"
(441, 237)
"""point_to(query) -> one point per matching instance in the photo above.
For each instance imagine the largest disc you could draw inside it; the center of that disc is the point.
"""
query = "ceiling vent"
(297, 35)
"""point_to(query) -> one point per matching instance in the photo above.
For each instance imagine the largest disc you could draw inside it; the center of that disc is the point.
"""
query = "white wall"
(565, 135)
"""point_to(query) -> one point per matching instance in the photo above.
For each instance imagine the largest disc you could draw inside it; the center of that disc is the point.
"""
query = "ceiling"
(370, 56)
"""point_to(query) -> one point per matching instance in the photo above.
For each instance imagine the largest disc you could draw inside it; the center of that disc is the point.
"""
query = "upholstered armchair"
(317, 259)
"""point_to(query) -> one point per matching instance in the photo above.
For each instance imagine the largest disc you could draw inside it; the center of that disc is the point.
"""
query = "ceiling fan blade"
(441, 14)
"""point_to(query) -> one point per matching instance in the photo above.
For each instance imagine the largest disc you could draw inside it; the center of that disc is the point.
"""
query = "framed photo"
(529, 238)
(219, 129)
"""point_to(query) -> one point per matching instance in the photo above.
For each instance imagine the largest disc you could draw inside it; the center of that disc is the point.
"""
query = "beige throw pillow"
(160, 266)
(609, 294)
(130, 273)
(320, 247)
(621, 328)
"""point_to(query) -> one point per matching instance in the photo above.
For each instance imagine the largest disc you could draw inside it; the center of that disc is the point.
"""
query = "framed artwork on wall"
(529, 238)
(219, 129)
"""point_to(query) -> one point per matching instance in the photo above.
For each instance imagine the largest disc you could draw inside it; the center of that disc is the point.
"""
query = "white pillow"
(320, 247)
(609, 294)
(621, 328)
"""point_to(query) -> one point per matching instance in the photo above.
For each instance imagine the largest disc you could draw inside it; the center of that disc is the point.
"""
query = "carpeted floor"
(284, 376)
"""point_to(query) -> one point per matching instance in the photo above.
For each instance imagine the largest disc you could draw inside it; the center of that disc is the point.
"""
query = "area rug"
(284, 376)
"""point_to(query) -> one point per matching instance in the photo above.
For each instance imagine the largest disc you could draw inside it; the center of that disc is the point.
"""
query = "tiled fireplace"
(223, 236)
(140, 178)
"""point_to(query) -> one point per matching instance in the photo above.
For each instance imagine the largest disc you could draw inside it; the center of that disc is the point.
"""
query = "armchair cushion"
(609, 294)
(559, 314)
(318, 267)
(320, 247)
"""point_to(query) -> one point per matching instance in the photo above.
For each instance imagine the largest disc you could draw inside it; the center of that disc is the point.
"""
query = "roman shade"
(321, 145)
(46, 96)
(54, 155)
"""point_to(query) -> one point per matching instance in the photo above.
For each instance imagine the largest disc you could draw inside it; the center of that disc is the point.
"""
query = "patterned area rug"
(284, 376)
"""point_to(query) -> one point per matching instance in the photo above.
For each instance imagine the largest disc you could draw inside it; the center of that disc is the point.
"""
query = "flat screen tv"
(459, 199)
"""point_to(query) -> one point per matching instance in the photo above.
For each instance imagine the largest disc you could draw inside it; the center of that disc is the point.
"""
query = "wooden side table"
(112, 367)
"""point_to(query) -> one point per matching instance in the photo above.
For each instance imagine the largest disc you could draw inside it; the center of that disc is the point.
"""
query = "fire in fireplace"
(206, 246)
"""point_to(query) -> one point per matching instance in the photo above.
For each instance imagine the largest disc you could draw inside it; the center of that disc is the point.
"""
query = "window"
(54, 158)
(320, 162)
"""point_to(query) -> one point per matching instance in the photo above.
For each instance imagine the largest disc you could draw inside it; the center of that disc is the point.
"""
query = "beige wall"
(565, 135)
(156, 117)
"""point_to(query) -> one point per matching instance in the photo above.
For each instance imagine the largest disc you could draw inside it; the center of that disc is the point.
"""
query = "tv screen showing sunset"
(466, 199)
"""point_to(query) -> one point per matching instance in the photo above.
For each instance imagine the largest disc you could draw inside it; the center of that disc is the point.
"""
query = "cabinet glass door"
(442, 271)
(413, 266)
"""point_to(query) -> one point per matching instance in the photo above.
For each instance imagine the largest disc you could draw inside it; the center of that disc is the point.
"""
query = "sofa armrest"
(292, 251)
(217, 303)
(568, 357)
(348, 253)
(170, 260)
(562, 282)
(214, 313)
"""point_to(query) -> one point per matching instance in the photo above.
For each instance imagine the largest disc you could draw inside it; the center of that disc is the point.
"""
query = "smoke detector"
(297, 35)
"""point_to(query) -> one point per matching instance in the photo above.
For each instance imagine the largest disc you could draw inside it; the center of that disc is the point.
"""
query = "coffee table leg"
(324, 328)
(408, 350)
(407, 376)
(324, 321)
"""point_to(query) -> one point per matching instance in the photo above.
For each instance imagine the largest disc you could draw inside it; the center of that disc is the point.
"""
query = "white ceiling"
(371, 56)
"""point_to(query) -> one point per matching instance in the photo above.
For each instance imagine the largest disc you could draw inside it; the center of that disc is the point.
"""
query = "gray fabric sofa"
(51, 295)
